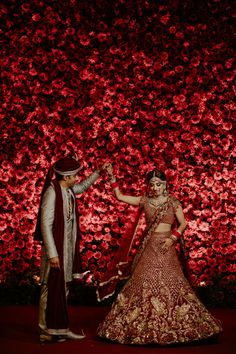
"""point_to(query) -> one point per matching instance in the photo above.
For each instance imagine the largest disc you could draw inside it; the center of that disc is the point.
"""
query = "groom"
(58, 229)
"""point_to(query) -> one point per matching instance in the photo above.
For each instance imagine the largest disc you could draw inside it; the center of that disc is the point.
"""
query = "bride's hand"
(103, 166)
(110, 169)
(167, 244)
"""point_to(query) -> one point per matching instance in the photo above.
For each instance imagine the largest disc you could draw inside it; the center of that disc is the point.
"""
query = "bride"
(157, 303)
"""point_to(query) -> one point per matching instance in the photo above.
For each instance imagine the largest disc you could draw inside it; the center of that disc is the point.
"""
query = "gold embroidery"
(158, 306)
(133, 315)
(181, 311)
(122, 300)
(191, 297)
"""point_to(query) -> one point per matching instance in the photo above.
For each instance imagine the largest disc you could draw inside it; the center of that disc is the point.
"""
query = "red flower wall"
(139, 83)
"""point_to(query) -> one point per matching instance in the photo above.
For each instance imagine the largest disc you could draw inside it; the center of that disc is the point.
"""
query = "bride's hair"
(155, 173)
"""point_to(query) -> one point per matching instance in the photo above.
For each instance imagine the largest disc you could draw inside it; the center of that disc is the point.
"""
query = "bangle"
(174, 238)
(114, 185)
(176, 233)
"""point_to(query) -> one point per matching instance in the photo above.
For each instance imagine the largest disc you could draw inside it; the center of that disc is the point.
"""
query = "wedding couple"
(157, 304)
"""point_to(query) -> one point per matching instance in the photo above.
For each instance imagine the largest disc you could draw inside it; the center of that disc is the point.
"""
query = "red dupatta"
(56, 312)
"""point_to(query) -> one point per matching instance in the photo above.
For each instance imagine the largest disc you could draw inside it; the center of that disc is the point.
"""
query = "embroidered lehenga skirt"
(157, 304)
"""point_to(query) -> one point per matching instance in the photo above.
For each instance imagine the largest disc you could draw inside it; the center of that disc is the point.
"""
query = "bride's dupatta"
(124, 260)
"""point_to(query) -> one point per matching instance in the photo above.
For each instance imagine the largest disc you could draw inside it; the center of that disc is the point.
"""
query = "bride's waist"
(162, 227)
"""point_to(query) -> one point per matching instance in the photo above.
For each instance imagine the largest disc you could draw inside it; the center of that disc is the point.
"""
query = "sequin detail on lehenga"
(157, 304)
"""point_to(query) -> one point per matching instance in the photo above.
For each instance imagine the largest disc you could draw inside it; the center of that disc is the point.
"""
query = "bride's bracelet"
(175, 235)
(113, 181)
(114, 185)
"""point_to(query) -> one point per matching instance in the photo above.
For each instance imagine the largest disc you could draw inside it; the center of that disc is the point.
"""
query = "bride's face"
(156, 187)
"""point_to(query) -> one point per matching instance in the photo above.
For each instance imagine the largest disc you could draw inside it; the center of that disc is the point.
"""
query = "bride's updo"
(156, 173)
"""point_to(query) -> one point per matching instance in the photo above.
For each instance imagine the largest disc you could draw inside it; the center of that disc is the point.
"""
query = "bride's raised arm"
(120, 196)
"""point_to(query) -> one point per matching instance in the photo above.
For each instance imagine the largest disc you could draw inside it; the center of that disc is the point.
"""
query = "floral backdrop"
(140, 83)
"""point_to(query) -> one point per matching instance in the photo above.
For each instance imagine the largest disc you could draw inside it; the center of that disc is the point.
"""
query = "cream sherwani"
(49, 249)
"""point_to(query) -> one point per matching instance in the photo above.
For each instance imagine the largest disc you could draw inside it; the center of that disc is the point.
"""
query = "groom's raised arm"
(85, 184)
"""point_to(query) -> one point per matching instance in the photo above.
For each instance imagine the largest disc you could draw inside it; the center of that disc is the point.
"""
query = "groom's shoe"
(45, 337)
(72, 335)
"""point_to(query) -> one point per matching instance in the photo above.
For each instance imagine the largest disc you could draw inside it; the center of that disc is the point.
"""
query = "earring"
(165, 193)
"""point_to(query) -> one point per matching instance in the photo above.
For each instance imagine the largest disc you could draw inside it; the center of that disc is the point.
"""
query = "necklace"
(156, 202)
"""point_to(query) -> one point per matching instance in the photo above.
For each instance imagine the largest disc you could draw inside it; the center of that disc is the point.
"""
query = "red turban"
(67, 166)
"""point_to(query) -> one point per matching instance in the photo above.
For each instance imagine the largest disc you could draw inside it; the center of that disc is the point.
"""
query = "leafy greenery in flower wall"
(140, 83)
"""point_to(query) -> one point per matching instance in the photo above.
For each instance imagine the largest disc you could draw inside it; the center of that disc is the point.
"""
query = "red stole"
(56, 312)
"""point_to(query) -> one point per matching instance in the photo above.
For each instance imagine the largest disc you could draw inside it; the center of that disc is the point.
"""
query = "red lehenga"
(157, 304)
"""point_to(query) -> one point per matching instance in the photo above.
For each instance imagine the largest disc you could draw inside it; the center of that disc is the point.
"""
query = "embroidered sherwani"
(157, 304)
(70, 233)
